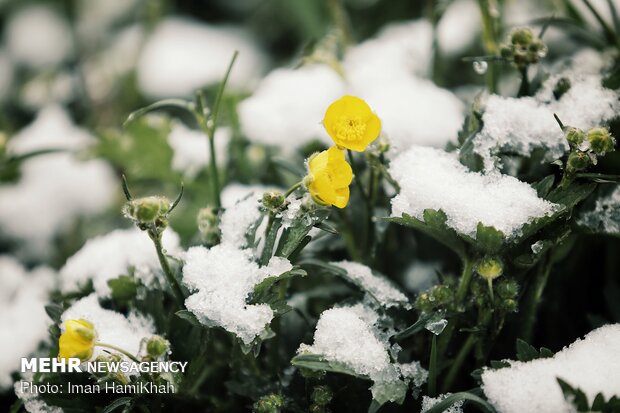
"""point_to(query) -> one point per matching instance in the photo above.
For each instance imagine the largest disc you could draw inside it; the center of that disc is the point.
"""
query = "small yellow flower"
(77, 341)
(329, 178)
(351, 123)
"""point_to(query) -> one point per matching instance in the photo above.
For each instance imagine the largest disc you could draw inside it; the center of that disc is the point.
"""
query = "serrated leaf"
(574, 396)
(526, 352)
(434, 225)
(488, 239)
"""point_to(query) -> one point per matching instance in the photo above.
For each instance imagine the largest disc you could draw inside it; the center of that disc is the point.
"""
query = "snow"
(429, 402)
(182, 55)
(433, 179)
(112, 328)
(459, 27)
(23, 321)
(38, 37)
(379, 287)
(222, 278)
(605, 217)
(236, 219)
(287, 108)
(191, 148)
(41, 203)
(120, 252)
(32, 402)
(348, 336)
(523, 124)
(591, 364)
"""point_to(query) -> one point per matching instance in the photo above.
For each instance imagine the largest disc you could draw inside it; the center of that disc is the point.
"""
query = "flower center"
(350, 129)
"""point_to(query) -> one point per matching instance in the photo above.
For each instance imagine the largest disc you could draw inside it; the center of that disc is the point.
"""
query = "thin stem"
(120, 350)
(210, 127)
(458, 361)
(163, 261)
(370, 204)
(292, 189)
(466, 275)
(524, 89)
(489, 35)
(533, 298)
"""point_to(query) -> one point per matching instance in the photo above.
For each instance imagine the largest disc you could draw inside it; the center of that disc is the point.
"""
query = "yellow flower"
(351, 123)
(329, 178)
(78, 340)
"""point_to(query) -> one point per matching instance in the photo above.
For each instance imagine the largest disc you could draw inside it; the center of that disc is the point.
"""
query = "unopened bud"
(521, 36)
(273, 200)
(577, 161)
(322, 395)
(208, 225)
(574, 136)
(148, 209)
(507, 289)
(271, 403)
(601, 141)
(490, 268)
(157, 346)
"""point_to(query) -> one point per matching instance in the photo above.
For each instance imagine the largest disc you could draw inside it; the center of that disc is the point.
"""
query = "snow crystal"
(433, 179)
(222, 279)
(182, 55)
(458, 27)
(287, 108)
(347, 335)
(605, 218)
(32, 402)
(380, 288)
(537, 247)
(436, 327)
(428, 402)
(38, 37)
(236, 220)
(23, 321)
(420, 276)
(191, 148)
(112, 328)
(521, 125)
(591, 364)
(120, 252)
(42, 203)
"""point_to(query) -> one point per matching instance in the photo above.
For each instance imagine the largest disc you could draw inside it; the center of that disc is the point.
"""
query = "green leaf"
(121, 401)
(465, 396)
(54, 311)
(124, 288)
(414, 328)
(265, 293)
(574, 396)
(165, 104)
(544, 186)
(488, 239)
(434, 225)
(16, 407)
(317, 362)
(294, 236)
(188, 316)
(525, 352)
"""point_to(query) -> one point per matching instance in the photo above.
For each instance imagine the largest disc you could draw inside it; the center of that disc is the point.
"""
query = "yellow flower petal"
(77, 340)
(351, 123)
(329, 178)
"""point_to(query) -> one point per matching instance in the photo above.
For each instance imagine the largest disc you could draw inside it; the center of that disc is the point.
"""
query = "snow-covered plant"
(386, 224)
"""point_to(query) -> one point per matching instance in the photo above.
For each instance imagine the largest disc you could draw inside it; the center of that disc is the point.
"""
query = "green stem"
(524, 89)
(531, 304)
(370, 205)
(120, 350)
(489, 35)
(466, 275)
(163, 261)
(458, 362)
(292, 189)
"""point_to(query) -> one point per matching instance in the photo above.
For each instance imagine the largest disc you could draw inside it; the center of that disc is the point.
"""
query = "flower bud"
(561, 87)
(157, 346)
(208, 225)
(442, 294)
(77, 341)
(577, 161)
(507, 289)
(322, 395)
(271, 403)
(489, 268)
(601, 141)
(109, 374)
(521, 36)
(424, 303)
(273, 200)
(574, 136)
(147, 210)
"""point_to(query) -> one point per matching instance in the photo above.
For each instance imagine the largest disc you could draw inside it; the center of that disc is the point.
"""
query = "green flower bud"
(489, 268)
(147, 210)
(208, 225)
(322, 395)
(509, 305)
(424, 303)
(273, 200)
(157, 346)
(271, 403)
(521, 36)
(506, 52)
(561, 87)
(507, 289)
(577, 161)
(574, 136)
(601, 141)
(442, 294)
